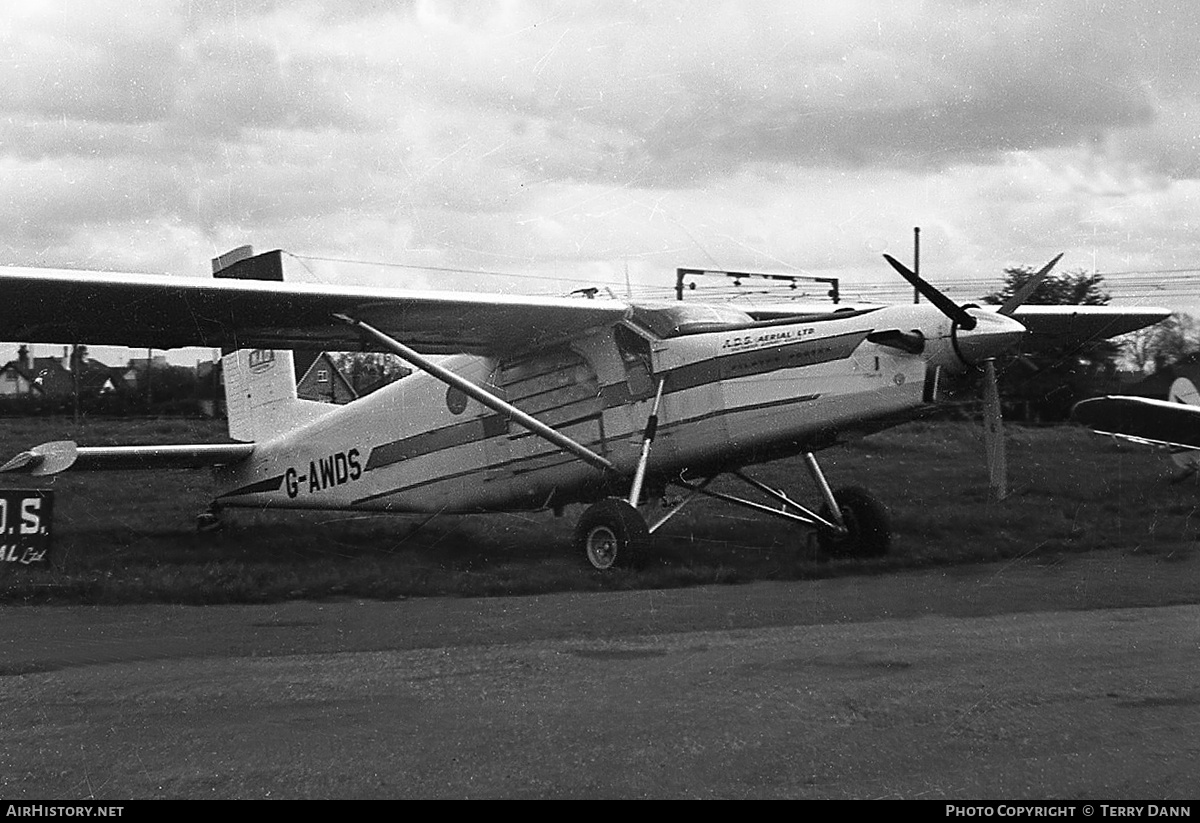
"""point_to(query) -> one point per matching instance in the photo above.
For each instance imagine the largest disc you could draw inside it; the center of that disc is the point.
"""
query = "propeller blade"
(1022, 294)
(993, 434)
(944, 304)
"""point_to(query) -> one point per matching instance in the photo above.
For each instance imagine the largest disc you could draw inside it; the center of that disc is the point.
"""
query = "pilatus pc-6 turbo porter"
(546, 401)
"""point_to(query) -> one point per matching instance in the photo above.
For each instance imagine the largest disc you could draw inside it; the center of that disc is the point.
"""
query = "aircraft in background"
(1174, 422)
(544, 402)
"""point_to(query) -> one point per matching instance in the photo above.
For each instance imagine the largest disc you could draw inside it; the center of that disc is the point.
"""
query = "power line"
(449, 269)
(1129, 284)
(1146, 271)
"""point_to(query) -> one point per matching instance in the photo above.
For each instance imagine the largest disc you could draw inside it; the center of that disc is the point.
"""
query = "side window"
(635, 352)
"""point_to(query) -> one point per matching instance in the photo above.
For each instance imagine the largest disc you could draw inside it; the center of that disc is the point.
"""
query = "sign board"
(25, 516)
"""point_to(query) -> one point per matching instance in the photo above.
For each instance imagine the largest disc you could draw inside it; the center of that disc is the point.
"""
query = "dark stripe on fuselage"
(439, 479)
(271, 484)
(741, 364)
(563, 458)
(418, 445)
(763, 361)
(726, 366)
(469, 472)
(523, 433)
(566, 458)
(788, 401)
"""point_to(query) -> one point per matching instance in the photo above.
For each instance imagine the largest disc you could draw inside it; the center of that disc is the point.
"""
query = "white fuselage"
(730, 397)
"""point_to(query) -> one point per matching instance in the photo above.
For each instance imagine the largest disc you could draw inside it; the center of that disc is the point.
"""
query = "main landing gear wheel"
(611, 534)
(869, 530)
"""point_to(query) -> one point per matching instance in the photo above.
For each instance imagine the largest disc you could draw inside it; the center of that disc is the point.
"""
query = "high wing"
(1161, 422)
(1071, 325)
(104, 308)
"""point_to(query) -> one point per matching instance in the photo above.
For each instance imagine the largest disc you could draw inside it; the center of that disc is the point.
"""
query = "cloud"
(104, 61)
(585, 137)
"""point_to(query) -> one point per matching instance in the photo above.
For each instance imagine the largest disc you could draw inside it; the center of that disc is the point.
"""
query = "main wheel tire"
(611, 534)
(867, 521)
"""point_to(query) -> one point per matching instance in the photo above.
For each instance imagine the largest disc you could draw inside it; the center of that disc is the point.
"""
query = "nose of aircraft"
(993, 335)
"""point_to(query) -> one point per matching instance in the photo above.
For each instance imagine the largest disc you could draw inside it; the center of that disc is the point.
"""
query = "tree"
(1069, 288)
(1163, 344)
(368, 371)
(1044, 384)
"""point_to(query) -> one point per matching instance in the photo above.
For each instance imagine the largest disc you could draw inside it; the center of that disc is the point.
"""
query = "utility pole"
(76, 363)
(916, 260)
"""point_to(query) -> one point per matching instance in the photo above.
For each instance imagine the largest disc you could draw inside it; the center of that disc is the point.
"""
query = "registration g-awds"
(533, 403)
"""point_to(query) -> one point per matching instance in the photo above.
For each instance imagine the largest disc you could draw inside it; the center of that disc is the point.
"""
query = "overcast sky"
(602, 142)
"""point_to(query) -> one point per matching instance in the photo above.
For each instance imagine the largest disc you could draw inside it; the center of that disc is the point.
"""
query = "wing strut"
(639, 476)
(476, 393)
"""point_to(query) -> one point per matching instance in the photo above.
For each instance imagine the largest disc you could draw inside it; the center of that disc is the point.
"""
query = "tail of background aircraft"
(260, 384)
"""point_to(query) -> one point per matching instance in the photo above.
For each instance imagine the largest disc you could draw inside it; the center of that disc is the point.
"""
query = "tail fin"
(260, 395)
(260, 384)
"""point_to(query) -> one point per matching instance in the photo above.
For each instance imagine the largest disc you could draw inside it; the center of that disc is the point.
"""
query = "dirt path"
(1077, 679)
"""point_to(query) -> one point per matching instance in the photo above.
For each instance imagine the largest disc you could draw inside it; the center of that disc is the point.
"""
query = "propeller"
(993, 420)
(1022, 294)
(994, 451)
(944, 304)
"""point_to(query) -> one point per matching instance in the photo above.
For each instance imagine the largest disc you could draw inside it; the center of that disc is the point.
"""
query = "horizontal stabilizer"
(48, 458)
(1138, 418)
(57, 456)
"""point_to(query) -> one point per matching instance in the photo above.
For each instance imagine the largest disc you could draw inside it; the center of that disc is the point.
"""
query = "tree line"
(1042, 384)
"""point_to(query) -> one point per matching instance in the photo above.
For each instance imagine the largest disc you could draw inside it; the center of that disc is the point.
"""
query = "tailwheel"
(209, 520)
(611, 534)
(868, 525)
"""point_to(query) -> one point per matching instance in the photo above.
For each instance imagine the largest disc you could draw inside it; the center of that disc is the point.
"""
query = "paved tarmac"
(1072, 679)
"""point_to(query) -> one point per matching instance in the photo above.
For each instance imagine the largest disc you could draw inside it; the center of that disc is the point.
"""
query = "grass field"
(124, 537)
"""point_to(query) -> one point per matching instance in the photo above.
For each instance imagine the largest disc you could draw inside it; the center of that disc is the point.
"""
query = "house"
(95, 378)
(17, 379)
(52, 379)
(57, 380)
(135, 372)
(323, 381)
(16, 382)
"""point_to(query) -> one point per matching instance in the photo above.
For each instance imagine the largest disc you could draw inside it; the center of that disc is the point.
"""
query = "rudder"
(260, 384)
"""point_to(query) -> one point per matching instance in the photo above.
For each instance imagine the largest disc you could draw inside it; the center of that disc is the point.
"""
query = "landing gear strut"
(850, 522)
(612, 532)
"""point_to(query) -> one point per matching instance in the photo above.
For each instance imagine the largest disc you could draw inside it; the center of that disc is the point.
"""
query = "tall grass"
(128, 536)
